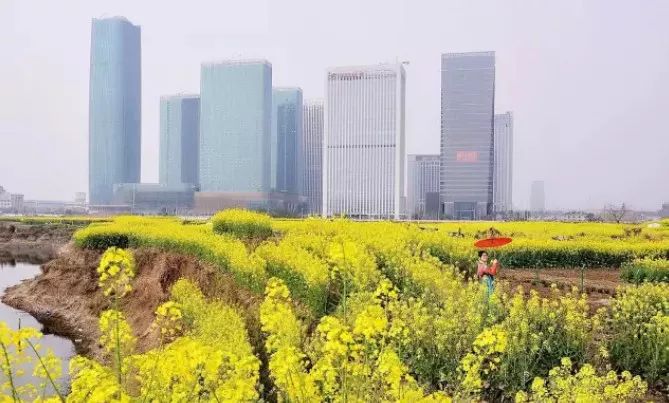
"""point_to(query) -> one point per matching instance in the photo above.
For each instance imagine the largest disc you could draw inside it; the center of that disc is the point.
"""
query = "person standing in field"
(486, 273)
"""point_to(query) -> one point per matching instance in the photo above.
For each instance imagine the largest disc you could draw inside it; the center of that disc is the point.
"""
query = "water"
(11, 274)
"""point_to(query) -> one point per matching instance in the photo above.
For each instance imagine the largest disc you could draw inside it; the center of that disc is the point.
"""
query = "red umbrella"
(492, 242)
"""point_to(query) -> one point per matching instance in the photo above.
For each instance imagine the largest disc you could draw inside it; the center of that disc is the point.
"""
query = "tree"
(616, 213)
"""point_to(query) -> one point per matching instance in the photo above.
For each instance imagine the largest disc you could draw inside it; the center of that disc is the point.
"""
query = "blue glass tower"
(114, 107)
(286, 137)
(179, 139)
(235, 126)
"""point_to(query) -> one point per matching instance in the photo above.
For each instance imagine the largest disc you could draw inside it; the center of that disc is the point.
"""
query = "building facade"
(364, 152)
(537, 197)
(179, 139)
(114, 154)
(235, 126)
(467, 108)
(80, 198)
(155, 197)
(286, 162)
(422, 186)
(502, 187)
(312, 155)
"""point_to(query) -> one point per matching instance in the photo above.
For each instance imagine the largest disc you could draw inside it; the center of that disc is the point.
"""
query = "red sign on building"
(467, 156)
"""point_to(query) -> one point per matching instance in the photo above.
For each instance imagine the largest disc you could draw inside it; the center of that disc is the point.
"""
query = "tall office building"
(537, 197)
(235, 126)
(114, 116)
(179, 139)
(502, 188)
(312, 155)
(286, 136)
(364, 141)
(423, 186)
(467, 108)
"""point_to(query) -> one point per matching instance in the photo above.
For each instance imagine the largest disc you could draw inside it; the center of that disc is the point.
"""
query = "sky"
(587, 81)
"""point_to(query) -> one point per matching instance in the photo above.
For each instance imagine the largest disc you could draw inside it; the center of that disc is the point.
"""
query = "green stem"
(155, 366)
(119, 371)
(46, 370)
(9, 372)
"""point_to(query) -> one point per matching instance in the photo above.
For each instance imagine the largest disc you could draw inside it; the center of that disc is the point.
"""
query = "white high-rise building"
(312, 154)
(503, 171)
(364, 151)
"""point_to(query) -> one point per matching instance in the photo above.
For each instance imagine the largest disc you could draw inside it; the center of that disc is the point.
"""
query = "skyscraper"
(286, 136)
(502, 187)
(364, 141)
(179, 139)
(467, 107)
(422, 185)
(235, 126)
(312, 155)
(114, 126)
(537, 197)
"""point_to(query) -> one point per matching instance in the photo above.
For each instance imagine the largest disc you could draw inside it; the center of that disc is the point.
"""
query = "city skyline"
(563, 119)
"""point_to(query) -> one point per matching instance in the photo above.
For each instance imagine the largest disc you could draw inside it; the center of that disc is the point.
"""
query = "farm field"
(337, 310)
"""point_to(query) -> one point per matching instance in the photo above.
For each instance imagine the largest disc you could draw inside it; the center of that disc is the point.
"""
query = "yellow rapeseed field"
(368, 311)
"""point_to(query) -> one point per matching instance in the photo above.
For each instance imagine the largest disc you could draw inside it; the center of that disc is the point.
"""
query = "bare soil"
(68, 301)
(32, 243)
(599, 284)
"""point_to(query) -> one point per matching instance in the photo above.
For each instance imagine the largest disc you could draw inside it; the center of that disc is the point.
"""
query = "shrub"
(639, 330)
(584, 386)
(307, 276)
(243, 223)
(539, 333)
(354, 358)
(641, 270)
(213, 361)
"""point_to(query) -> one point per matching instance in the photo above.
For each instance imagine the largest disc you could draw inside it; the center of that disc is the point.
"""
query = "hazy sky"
(587, 81)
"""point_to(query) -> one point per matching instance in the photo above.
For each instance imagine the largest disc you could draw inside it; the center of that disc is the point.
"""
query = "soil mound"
(67, 300)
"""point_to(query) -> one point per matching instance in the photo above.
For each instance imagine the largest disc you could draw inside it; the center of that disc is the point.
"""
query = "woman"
(487, 273)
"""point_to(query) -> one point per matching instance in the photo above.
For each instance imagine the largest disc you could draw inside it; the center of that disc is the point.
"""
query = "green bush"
(243, 223)
(642, 270)
(639, 331)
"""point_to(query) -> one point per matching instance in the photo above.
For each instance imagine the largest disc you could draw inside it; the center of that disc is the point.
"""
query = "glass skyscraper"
(235, 126)
(502, 188)
(422, 182)
(286, 162)
(312, 155)
(179, 139)
(364, 142)
(114, 133)
(467, 108)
